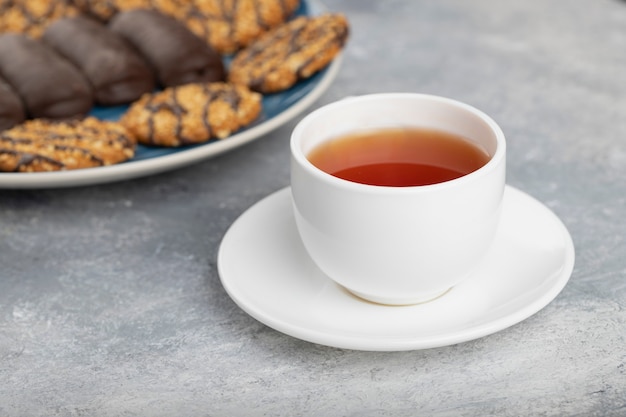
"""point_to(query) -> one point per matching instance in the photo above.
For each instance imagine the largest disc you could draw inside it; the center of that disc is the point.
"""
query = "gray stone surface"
(110, 301)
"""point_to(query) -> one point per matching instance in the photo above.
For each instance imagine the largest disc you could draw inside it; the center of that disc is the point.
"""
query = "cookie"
(230, 25)
(115, 70)
(31, 17)
(11, 108)
(191, 114)
(177, 55)
(104, 10)
(226, 25)
(44, 145)
(49, 85)
(290, 53)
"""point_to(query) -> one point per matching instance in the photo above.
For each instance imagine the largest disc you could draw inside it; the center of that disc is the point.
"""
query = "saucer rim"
(448, 336)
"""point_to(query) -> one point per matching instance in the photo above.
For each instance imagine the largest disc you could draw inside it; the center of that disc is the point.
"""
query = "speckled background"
(110, 301)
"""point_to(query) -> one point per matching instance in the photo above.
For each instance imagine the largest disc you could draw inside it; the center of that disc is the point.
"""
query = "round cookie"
(45, 145)
(191, 114)
(290, 53)
(230, 25)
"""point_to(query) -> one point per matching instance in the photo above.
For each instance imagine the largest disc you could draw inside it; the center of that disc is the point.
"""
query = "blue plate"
(278, 109)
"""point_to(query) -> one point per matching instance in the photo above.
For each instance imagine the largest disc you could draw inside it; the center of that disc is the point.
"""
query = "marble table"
(110, 298)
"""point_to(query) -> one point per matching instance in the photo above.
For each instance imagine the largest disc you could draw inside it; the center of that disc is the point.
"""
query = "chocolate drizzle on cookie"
(228, 96)
(292, 52)
(42, 145)
(191, 114)
(171, 106)
(231, 25)
(15, 161)
(65, 155)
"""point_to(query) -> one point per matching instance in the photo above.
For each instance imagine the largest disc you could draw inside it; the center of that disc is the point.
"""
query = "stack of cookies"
(164, 58)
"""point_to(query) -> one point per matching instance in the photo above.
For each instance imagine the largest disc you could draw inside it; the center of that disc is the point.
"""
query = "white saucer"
(265, 270)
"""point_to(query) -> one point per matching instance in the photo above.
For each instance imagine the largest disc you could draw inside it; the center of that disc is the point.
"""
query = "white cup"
(397, 245)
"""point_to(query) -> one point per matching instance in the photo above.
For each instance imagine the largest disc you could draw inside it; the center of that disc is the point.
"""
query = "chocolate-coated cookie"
(226, 25)
(176, 54)
(48, 84)
(11, 107)
(115, 70)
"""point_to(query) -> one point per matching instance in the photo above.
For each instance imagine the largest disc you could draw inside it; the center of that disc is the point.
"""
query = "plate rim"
(555, 284)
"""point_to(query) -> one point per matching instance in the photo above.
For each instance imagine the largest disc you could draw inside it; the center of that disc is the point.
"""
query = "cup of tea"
(397, 196)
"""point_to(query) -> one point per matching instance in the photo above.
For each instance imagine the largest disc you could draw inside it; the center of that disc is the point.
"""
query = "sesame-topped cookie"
(292, 52)
(31, 17)
(45, 145)
(191, 113)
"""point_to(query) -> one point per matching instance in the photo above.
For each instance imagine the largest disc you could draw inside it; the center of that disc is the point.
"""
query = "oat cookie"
(291, 52)
(31, 17)
(44, 145)
(192, 113)
(229, 25)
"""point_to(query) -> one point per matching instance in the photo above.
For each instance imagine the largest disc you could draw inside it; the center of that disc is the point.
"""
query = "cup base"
(421, 299)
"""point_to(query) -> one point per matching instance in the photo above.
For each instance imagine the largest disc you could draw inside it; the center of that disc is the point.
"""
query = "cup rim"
(299, 156)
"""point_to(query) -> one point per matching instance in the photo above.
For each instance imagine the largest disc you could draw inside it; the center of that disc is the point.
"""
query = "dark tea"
(399, 157)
